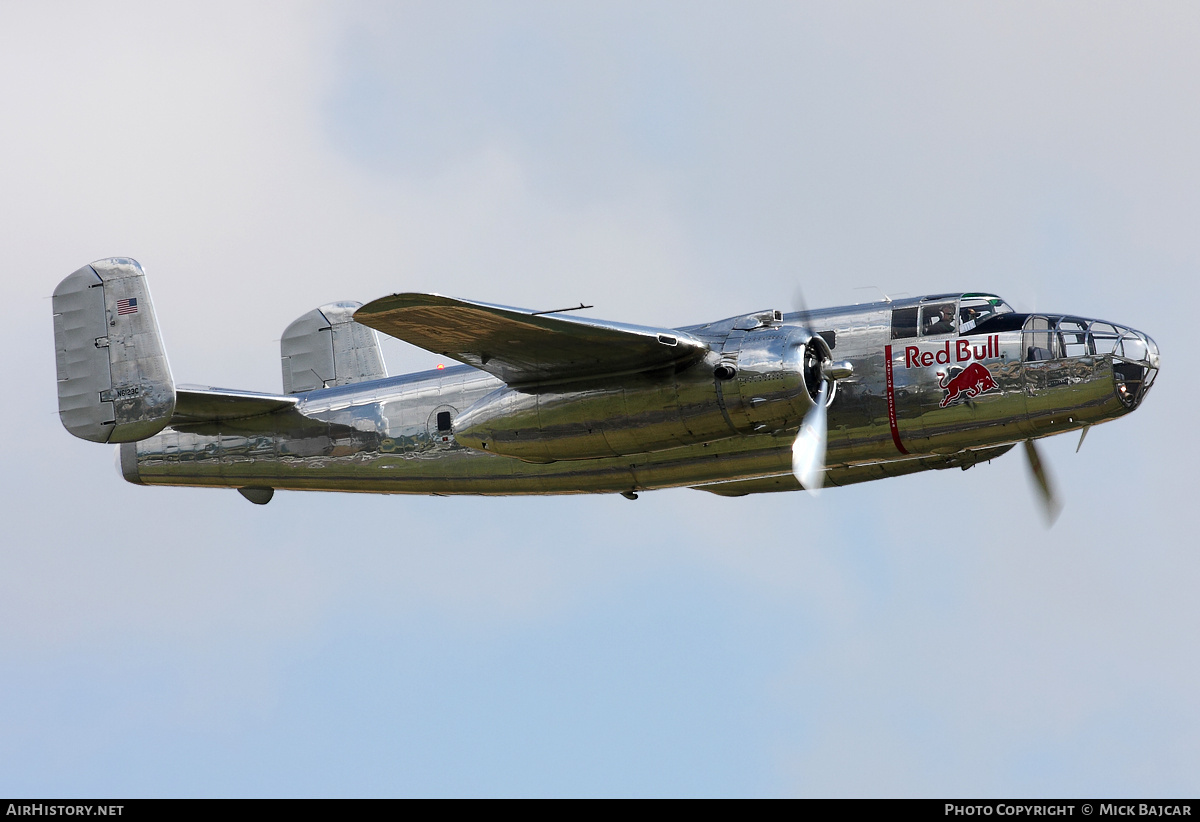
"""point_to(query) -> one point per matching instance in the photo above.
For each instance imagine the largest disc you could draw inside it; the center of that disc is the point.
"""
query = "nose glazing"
(1134, 356)
(1135, 364)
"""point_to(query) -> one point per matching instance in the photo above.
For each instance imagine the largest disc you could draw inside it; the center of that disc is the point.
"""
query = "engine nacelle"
(629, 415)
(763, 381)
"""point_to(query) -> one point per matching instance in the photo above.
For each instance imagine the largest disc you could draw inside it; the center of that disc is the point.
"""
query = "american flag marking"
(127, 306)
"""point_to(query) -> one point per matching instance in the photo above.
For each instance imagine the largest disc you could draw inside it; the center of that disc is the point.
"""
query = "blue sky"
(670, 164)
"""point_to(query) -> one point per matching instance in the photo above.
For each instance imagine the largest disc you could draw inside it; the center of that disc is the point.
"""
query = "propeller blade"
(1051, 506)
(800, 306)
(808, 451)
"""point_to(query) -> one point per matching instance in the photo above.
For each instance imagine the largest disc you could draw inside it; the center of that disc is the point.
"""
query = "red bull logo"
(970, 382)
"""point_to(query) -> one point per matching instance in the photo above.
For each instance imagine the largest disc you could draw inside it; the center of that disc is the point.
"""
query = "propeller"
(1051, 505)
(808, 450)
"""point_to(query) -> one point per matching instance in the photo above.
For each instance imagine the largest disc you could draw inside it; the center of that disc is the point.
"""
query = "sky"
(668, 163)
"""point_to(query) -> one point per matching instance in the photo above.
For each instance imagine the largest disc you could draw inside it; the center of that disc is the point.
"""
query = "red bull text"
(962, 350)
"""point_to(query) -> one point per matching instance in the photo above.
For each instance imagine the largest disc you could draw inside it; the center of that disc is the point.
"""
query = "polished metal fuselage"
(658, 430)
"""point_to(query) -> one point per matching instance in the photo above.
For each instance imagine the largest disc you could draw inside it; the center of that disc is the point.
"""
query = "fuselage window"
(443, 421)
(1074, 338)
(1105, 338)
(904, 323)
(938, 318)
(1040, 342)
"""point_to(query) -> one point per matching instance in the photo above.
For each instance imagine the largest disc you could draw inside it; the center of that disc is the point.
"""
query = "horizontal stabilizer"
(198, 404)
(203, 410)
(523, 347)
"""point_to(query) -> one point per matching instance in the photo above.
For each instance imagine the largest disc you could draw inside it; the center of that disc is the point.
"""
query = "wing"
(523, 347)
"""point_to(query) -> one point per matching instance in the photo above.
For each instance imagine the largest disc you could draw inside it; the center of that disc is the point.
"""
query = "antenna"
(560, 310)
(886, 298)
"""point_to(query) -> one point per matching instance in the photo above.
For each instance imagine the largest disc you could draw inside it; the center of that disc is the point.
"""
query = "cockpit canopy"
(947, 314)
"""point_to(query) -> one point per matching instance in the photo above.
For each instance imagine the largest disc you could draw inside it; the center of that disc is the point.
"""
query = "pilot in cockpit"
(942, 322)
(969, 317)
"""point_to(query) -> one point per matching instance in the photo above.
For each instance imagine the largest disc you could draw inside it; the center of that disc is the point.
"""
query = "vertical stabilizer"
(114, 384)
(326, 347)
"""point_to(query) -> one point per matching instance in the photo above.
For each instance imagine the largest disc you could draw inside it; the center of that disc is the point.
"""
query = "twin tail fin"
(114, 382)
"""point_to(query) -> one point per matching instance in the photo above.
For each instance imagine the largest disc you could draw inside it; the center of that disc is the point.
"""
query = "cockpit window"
(975, 308)
(937, 318)
(948, 316)
(904, 323)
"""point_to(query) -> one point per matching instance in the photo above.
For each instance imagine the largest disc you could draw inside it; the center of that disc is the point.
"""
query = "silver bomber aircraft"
(554, 403)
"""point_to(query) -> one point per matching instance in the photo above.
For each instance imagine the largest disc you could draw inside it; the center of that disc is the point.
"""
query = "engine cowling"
(776, 375)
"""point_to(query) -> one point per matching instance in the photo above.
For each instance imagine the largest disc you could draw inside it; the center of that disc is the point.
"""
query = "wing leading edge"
(523, 347)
